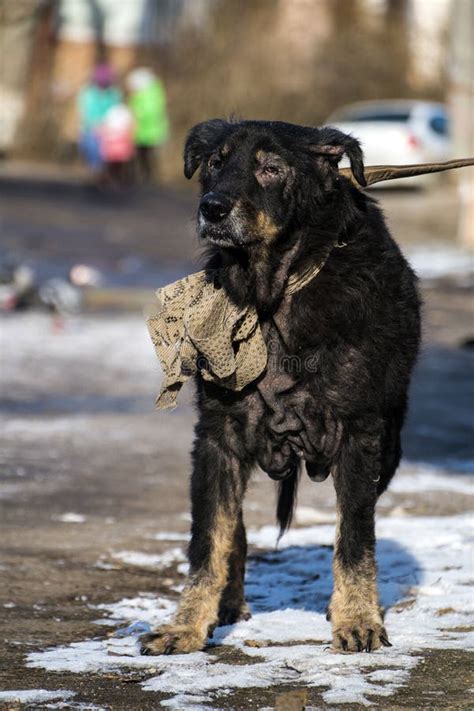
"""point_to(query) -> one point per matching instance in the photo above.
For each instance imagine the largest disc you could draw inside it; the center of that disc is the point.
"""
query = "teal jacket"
(94, 104)
(148, 107)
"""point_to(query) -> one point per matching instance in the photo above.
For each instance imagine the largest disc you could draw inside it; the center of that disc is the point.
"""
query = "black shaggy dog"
(341, 350)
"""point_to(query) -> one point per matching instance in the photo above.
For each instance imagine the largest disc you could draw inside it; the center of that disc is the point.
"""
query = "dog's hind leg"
(232, 606)
(354, 610)
(217, 490)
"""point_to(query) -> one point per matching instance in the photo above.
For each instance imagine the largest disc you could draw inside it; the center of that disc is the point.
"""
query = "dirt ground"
(80, 436)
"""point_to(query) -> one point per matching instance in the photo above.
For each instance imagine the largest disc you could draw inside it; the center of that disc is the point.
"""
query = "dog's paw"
(172, 640)
(230, 614)
(359, 636)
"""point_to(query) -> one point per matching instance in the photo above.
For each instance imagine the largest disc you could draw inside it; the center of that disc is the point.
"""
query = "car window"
(392, 116)
(440, 125)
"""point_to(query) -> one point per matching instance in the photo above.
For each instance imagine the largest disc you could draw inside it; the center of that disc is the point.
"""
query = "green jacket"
(148, 107)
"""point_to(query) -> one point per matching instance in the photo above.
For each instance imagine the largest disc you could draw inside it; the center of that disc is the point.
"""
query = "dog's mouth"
(221, 240)
(230, 232)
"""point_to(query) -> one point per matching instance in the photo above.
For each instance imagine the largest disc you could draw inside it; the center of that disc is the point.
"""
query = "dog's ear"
(201, 141)
(334, 144)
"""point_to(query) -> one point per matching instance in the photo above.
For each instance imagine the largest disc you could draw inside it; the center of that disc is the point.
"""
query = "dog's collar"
(299, 280)
(198, 329)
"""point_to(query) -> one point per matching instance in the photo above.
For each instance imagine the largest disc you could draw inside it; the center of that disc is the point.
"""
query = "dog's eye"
(271, 171)
(214, 162)
(268, 175)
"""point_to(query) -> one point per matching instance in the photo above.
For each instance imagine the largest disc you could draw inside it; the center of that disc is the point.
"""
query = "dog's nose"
(215, 206)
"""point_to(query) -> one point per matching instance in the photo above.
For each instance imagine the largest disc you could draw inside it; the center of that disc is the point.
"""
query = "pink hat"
(103, 75)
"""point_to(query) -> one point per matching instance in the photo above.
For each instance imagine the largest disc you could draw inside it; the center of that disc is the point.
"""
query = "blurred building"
(303, 24)
(17, 27)
(461, 100)
(292, 59)
(426, 29)
(428, 24)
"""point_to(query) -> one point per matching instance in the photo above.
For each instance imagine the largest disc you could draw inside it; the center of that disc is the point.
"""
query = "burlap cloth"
(197, 328)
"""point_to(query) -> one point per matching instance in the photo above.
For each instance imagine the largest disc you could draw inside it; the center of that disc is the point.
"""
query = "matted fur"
(341, 350)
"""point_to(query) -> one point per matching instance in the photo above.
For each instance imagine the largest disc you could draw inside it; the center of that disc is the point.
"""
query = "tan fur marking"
(232, 605)
(199, 603)
(265, 226)
(200, 600)
(237, 562)
(355, 590)
(354, 605)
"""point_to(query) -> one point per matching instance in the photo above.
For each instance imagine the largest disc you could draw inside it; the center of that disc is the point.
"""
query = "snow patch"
(429, 478)
(75, 706)
(425, 566)
(145, 607)
(70, 517)
(305, 515)
(171, 536)
(150, 560)
(31, 696)
(31, 427)
(432, 261)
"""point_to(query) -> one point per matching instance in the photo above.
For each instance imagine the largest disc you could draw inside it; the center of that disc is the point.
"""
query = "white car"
(398, 132)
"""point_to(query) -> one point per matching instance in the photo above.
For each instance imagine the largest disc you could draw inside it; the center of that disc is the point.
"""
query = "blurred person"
(116, 143)
(94, 101)
(147, 101)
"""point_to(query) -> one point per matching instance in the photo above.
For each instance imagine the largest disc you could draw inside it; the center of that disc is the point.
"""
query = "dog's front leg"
(217, 489)
(233, 607)
(354, 610)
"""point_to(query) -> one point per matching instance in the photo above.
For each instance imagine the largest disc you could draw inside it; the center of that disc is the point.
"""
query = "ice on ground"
(26, 428)
(32, 696)
(144, 608)
(189, 702)
(309, 514)
(70, 517)
(136, 628)
(171, 536)
(85, 341)
(93, 656)
(413, 478)
(75, 706)
(150, 560)
(423, 561)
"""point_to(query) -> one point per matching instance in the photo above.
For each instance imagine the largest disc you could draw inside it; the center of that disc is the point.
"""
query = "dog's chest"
(288, 428)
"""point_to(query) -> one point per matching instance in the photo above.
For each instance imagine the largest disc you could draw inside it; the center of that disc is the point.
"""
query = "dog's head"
(260, 177)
